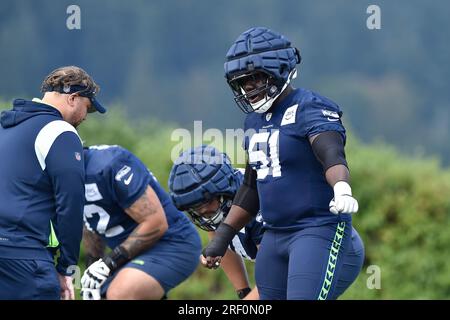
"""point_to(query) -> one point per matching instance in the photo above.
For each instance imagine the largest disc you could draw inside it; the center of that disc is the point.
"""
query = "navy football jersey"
(115, 179)
(245, 242)
(292, 188)
(248, 238)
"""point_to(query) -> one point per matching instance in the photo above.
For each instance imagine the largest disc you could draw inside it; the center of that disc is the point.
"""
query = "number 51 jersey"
(293, 192)
(115, 179)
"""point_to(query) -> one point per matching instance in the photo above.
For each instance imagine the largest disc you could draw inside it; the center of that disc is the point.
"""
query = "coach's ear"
(71, 99)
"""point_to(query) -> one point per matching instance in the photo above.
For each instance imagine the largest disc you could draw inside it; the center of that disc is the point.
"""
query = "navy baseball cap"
(83, 91)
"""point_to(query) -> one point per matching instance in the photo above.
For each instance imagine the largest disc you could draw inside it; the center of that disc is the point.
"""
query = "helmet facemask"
(268, 88)
(212, 222)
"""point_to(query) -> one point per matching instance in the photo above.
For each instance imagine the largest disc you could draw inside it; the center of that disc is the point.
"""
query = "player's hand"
(95, 275)
(216, 249)
(211, 263)
(67, 291)
(90, 294)
(213, 253)
(343, 201)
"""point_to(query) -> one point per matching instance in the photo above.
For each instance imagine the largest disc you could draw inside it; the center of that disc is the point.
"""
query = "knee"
(115, 293)
(134, 291)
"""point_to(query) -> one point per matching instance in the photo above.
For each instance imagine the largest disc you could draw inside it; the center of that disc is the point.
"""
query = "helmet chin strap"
(264, 104)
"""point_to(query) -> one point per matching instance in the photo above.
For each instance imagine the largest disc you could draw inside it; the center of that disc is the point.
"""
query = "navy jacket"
(41, 180)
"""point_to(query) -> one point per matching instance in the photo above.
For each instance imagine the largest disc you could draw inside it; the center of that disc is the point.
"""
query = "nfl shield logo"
(268, 116)
(78, 156)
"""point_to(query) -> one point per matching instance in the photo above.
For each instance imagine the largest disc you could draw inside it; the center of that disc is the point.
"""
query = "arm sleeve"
(247, 196)
(65, 167)
(320, 117)
(130, 179)
(328, 148)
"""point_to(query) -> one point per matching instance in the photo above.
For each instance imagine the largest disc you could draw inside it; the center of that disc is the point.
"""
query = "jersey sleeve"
(317, 117)
(130, 179)
(65, 167)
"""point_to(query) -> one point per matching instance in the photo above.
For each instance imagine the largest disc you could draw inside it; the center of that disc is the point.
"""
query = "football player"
(297, 176)
(203, 183)
(154, 246)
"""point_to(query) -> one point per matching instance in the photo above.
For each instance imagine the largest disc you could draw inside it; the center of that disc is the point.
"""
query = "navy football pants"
(170, 261)
(28, 280)
(312, 263)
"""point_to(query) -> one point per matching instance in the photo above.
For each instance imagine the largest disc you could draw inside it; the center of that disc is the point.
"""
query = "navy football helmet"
(260, 51)
(200, 175)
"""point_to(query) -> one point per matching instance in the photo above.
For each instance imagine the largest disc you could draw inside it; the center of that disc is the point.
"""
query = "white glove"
(95, 275)
(343, 202)
(90, 294)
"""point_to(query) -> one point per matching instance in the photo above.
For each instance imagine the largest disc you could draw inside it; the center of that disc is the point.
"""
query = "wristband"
(117, 258)
(242, 293)
(342, 188)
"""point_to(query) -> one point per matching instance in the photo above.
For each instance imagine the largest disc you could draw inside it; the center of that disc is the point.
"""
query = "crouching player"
(154, 246)
(203, 183)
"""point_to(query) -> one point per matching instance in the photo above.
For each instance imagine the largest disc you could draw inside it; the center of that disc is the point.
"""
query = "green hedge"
(403, 217)
(404, 222)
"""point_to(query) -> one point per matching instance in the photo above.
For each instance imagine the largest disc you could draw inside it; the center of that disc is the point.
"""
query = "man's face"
(80, 106)
(252, 84)
(209, 209)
